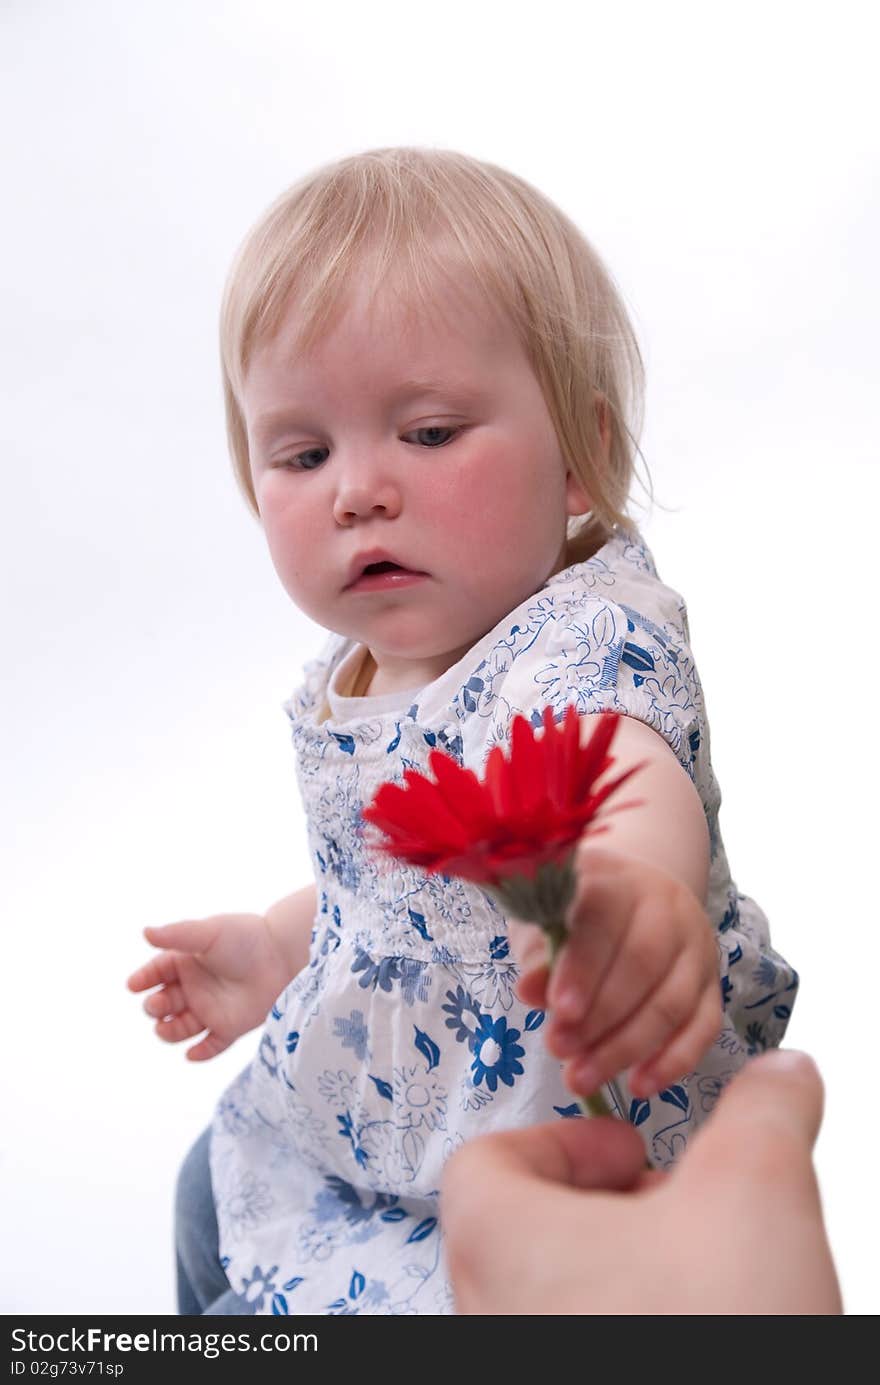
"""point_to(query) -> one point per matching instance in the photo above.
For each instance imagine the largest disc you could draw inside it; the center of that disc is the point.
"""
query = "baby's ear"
(578, 502)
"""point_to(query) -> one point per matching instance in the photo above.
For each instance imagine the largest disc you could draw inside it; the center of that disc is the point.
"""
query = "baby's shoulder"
(591, 614)
(604, 634)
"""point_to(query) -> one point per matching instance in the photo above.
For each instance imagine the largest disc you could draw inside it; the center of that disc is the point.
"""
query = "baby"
(432, 395)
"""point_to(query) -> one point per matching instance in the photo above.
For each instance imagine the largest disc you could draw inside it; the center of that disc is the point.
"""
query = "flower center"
(490, 1053)
(417, 1095)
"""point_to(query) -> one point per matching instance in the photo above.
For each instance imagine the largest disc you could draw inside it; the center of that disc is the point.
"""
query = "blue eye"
(436, 428)
(300, 464)
(300, 461)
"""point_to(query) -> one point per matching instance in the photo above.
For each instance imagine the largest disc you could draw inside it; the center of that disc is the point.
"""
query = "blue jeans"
(202, 1286)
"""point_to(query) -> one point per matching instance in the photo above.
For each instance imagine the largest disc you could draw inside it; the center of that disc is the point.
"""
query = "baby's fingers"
(165, 1003)
(159, 971)
(177, 1028)
(578, 973)
(186, 1026)
(684, 1050)
(633, 975)
(646, 1031)
(528, 944)
(209, 1047)
(532, 987)
(190, 935)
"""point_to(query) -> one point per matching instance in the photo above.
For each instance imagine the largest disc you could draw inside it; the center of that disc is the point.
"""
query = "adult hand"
(562, 1219)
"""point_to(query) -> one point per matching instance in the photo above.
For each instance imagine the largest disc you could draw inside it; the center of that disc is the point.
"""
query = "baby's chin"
(428, 636)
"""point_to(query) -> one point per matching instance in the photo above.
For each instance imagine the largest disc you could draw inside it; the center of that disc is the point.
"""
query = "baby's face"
(427, 438)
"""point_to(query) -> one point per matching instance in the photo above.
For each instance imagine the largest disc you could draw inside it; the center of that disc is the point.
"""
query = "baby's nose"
(366, 491)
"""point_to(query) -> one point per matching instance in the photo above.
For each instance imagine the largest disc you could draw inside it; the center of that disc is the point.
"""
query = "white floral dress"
(403, 1037)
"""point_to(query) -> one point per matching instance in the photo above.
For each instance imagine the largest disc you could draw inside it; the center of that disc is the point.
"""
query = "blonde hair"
(431, 217)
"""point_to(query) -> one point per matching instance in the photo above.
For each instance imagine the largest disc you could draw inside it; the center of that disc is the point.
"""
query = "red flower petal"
(496, 782)
(595, 800)
(554, 759)
(549, 743)
(571, 733)
(419, 811)
(390, 802)
(528, 811)
(593, 758)
(463, 793)
(526, 767)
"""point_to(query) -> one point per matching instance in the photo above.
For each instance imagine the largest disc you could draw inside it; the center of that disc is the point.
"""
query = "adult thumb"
(588, 1154)
(768, 1118)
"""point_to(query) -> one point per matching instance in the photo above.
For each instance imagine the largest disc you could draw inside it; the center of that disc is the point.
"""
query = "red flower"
(530, 810)
(514, 831)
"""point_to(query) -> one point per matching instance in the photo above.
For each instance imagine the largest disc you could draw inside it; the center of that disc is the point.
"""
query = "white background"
(724, 161)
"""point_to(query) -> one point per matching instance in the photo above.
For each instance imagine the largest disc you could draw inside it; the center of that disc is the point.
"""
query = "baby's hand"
(217, 974)
(636, 983)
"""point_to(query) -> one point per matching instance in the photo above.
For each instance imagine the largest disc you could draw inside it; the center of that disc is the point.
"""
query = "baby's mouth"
(384, 576)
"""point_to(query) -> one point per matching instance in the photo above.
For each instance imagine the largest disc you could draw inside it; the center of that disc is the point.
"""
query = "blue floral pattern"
(403, 1036)
(497, 1053)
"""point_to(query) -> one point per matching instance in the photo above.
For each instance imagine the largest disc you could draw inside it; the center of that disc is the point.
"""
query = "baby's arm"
(290, 921)
(222, 974)
(637, 982)
(667, 828)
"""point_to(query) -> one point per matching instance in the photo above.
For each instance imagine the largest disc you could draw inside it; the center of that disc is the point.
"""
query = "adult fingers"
(757, 1151)
(541, 1172)
(768, 1117)
(595, 1153)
